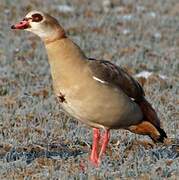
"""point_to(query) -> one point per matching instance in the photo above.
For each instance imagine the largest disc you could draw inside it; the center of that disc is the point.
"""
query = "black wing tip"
(162, 136)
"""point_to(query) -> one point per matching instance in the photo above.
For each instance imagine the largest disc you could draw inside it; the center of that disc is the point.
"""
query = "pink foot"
(95, 158)
(106, 137)
(94, 153)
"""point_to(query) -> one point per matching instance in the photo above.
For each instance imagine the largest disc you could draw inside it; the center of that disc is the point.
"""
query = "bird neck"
(66, 59)
(59, 33)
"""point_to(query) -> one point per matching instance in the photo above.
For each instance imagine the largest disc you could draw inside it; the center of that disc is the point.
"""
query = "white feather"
(97, 79)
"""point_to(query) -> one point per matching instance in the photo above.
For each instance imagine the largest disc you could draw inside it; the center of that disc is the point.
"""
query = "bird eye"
(37, 17)
(25, 19)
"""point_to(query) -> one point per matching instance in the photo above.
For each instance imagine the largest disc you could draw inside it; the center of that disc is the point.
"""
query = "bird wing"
(112, 75)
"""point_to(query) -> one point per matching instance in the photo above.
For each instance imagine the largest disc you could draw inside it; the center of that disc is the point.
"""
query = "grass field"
(37, 139)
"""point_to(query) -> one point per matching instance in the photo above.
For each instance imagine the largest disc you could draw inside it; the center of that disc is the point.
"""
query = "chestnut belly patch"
(61, 98)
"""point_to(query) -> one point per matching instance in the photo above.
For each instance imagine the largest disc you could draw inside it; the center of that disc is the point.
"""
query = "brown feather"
(151, 116)
(118, 77)
(148, 112)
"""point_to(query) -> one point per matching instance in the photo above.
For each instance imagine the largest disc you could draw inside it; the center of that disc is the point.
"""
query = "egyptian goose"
(96, 92)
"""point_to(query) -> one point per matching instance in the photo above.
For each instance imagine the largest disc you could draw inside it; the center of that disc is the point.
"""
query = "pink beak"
(24, 24)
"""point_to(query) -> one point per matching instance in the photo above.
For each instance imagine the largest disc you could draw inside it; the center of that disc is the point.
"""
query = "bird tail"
(150, 125)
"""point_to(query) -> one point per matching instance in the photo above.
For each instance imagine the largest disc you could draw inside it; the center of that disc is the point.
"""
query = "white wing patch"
(101, 81)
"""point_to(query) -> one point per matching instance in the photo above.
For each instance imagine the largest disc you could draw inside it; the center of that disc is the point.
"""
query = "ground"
(38, 140)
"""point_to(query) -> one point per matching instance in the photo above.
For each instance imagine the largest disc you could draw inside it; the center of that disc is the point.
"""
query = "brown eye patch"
(37, 17)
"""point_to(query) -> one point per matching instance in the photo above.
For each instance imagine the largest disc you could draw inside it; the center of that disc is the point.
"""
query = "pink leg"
(106, 137)
(94, 152)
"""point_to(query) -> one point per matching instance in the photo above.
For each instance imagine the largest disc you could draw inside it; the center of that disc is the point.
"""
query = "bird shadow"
(64, 151)
(31, 152)
(168, 150)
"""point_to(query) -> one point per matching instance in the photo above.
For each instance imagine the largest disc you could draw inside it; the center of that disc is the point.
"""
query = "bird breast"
(96, 104)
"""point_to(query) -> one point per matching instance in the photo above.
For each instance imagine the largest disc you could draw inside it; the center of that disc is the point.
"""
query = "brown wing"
(116, 76)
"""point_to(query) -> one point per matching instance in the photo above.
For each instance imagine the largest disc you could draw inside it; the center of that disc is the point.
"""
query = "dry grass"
(37, 139)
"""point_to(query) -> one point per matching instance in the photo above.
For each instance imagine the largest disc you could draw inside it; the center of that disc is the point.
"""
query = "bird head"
(41, 24)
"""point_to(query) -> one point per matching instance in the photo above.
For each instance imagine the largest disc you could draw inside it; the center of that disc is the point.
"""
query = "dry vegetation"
(37, 139)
